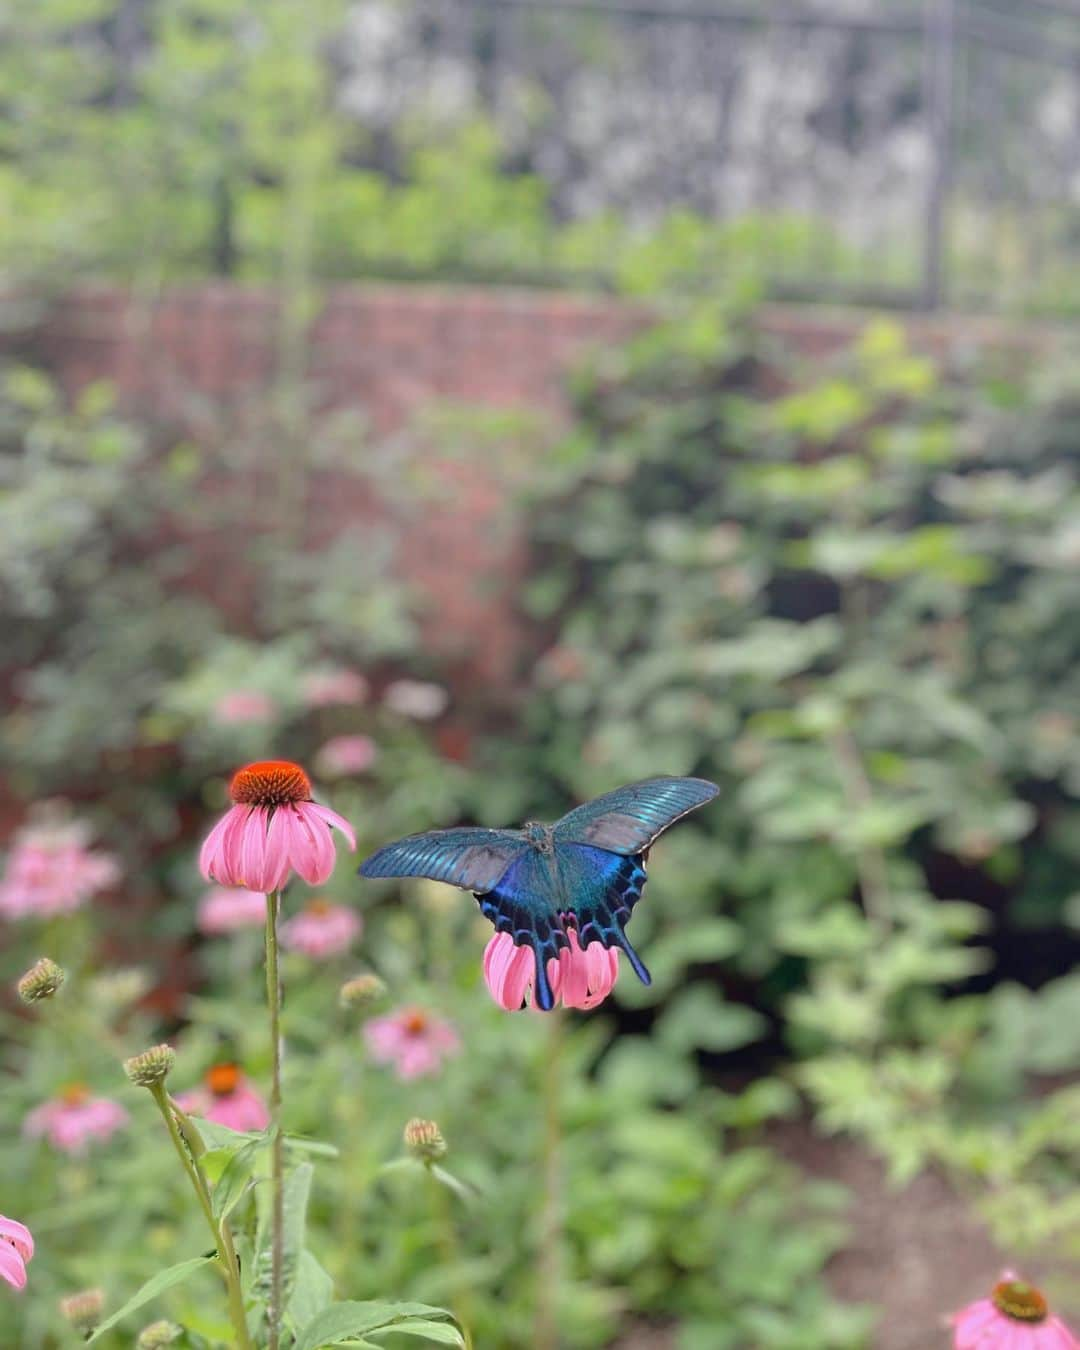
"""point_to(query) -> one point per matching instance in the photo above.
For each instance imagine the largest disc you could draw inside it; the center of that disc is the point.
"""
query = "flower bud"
(361, 991)
(151, 1067)
(83, 1310)
(42, 980)
(158, 1334)
(424, 1140)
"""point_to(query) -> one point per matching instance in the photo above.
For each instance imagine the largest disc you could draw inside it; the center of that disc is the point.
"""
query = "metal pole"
(938, 93)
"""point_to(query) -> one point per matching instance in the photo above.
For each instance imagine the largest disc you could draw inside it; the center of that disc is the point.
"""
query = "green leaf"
(344, 1321)
(234, 1179)
(297, 1194)
(316, 1147)
(312, 1292)
(441, 1332)
(157, 1284)
(699, 1017)
(217, 1136)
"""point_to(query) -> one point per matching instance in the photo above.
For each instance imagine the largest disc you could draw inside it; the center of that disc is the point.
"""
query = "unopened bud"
(424, 1140)
(83, 1310)
(151, 1067)
(42, 980)
(361, 991)
(158, 1334)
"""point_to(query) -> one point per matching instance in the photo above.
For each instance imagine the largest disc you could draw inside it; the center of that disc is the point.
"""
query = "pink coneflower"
(51, 871)
(346, 755)
(272, 830)
(227, 1098)
(321, 930)
(240, 707)
(73, 1120)
(16, 1249)
(228, 909)
(580, 978)
(1014, 1317)
(413, 1040)
(417, 699)
(333, 685)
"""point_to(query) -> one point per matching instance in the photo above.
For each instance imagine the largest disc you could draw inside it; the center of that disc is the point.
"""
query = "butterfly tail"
(636, 963)
(603, 917)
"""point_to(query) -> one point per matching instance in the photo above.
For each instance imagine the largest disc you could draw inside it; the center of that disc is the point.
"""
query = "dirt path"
(916, 1253)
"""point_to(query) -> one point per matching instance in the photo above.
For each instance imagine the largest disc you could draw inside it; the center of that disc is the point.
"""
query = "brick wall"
(389, 349)
(195, 357)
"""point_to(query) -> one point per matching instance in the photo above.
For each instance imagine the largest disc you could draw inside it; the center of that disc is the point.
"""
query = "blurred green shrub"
(849, 597)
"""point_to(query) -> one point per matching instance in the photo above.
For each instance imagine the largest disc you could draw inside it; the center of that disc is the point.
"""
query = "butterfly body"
(586, 871)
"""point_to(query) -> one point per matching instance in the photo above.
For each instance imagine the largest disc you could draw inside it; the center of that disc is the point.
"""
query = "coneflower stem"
(226, 1253)
(277, 1143)
(549, 1262)
(448, 1247)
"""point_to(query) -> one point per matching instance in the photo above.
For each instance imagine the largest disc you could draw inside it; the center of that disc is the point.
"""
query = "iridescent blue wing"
(525, 903)
(589, 888)
(473, 859)
(629, 819)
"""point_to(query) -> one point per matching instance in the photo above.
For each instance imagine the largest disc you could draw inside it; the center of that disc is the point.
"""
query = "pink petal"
(315, 857)
(211, 849)
(508, 971)
(224, 863)
(575, 989)
(12, 1266)
(18, 1235)
(1057, 1336)
(252, 841)
(276, 860)
(332, 818)
(971, 1322)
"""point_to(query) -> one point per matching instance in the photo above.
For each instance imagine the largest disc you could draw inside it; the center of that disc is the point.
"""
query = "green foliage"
(850, 603)
(209, 136)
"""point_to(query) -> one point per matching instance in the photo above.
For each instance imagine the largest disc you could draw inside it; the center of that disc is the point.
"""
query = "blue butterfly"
(587, 870)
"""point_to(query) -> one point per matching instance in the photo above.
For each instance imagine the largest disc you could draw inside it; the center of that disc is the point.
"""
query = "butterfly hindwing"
(524, 903)
(589, 887)
(627, 820)
(601, 890)
(473, 859)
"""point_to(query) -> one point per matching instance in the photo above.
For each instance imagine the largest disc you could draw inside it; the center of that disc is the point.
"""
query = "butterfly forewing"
(473, 859)
(627, 820)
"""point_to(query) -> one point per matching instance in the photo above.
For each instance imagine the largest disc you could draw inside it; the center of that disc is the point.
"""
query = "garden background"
(461, 358)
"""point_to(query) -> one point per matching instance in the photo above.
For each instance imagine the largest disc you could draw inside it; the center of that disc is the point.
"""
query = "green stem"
(448, 1246)
(549, 1261)
(226, 1254)
(277, 1148)
(870, 862)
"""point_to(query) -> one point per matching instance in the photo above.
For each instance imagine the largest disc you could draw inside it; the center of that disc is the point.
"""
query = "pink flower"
(346, 755)
(72, 1120)
(579, 978)
(417, 699)
(1014, 1317)
(16, 1249)
(322, 930)
(227, 1098)
(273, 830)
(334, 685)
(51, 871)
(228, 909)
(239, 707)
(412, 1040)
